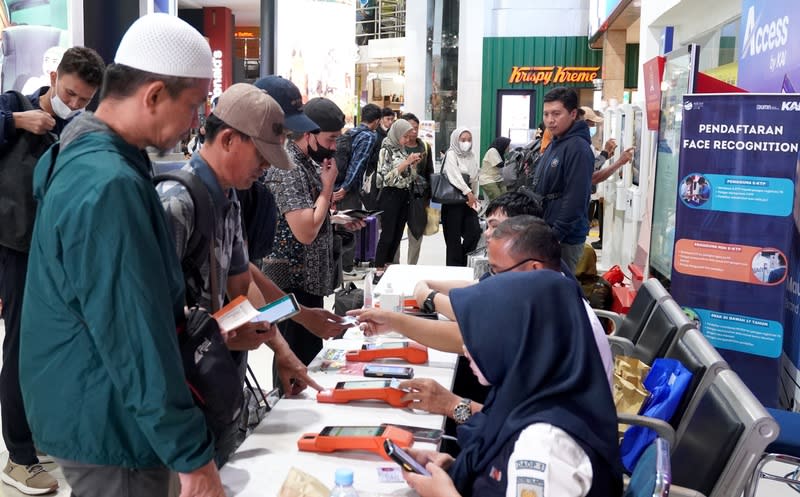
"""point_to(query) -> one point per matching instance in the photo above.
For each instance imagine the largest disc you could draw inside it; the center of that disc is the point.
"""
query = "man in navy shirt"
(72, 86)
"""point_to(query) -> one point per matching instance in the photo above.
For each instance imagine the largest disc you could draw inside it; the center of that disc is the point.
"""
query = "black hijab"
(529, 334)
(500, 144)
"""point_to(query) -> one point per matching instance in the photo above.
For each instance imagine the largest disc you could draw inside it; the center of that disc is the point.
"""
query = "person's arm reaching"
(603, 174)
(320, 322)
(292, 373)
(440, 335)
(429, 395)
(441, 300)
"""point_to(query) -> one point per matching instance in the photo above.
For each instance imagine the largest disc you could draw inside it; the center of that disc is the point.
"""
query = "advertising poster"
(427, 133)
(317, 52)
(769, 50)
(734, 227)
(34, 36)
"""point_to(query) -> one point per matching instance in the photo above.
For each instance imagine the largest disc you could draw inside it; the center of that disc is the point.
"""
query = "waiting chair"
(630, 325)
(725, 436)
(785, 449)
(666, 323)
(704, 362)
(653, 474)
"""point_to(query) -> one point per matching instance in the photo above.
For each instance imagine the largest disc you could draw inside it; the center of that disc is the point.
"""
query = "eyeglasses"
(493, 271)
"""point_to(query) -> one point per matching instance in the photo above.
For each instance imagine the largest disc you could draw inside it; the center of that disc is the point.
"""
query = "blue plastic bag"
(667, 383)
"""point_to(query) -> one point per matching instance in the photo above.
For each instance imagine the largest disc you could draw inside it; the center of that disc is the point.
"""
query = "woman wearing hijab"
(491, 179)
(549, 423)
(396, 173)
(460, 221)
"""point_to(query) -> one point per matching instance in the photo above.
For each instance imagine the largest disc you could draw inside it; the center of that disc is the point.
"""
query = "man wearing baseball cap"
(101, 376)
(244, 137)
(301, 261)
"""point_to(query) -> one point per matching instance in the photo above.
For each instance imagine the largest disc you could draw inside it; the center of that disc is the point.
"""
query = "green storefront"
(518, 71)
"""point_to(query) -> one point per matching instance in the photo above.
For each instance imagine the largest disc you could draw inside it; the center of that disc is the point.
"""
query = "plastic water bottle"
(344, 484)
(368, 296)
(391, 300)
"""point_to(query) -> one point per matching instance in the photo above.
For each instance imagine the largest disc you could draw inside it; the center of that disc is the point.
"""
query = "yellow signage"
(546, 75)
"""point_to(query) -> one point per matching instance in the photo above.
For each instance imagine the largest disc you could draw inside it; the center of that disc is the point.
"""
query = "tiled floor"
(432, 253)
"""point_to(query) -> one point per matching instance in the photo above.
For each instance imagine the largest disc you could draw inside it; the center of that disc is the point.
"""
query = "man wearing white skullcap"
(100, 371)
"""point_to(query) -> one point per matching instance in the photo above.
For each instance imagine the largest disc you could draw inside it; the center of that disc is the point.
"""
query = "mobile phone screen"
(421, 434)
(385, 345)
(389, 371)
(364, 384)
(352, 431)
(278, 310)
(402, 458)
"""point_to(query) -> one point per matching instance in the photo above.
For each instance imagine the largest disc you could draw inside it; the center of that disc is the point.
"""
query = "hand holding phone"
(278, 310)
(402, 458)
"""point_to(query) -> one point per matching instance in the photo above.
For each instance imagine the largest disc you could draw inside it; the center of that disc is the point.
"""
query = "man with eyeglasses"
(520, 243)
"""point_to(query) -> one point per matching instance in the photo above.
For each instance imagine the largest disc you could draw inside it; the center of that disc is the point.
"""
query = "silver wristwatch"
(462, 411)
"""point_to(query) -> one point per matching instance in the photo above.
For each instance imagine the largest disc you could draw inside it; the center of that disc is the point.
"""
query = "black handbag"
(443, 192)
(347, 298)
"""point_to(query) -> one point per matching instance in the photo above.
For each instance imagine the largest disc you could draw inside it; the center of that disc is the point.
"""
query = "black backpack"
(259, 219)
(520, 165)
(17, 205)
(198, 245)
(211, 372)
(344, 150)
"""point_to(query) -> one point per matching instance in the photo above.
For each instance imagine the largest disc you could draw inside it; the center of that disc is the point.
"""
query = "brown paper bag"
(629, 392)
(301, 484)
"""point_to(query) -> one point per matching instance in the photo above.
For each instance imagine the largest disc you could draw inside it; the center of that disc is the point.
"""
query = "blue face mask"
(593, 131)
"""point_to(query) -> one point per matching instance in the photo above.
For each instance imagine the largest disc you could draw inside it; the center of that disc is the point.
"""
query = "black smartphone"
(402, 458)
(278, 310)
(430, 435)
(381, 371)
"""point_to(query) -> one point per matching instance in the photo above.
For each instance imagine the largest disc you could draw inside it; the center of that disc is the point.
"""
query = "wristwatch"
(428, 305)
(462, 411)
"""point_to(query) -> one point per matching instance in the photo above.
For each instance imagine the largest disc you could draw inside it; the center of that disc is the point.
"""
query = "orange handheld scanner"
(411, 352)
(368, 438)
(347, 391)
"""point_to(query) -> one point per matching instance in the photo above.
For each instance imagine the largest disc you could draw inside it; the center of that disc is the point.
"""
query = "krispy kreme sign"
(546, 75)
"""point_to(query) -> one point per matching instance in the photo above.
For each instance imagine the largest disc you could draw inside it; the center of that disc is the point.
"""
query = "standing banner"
(734, 228)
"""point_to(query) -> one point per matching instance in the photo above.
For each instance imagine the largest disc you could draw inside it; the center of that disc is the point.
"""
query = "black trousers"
(16, 432)
(303, 343)
(394, 204)
(462, 231)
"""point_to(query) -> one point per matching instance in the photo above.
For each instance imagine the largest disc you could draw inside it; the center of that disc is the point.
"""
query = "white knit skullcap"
(166, 45)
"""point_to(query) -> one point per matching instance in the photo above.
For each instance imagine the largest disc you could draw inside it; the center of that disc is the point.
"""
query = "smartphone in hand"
(278, 310)
(402, 458)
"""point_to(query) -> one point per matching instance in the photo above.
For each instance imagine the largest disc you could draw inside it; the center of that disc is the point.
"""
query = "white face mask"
(61, 109)
(465, 146)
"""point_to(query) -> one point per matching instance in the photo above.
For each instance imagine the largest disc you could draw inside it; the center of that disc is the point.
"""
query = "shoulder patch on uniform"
(533, 465)
(495, 474)
(529, 487)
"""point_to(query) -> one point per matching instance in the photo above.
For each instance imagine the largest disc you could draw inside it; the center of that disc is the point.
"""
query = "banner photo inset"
(734, 227)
